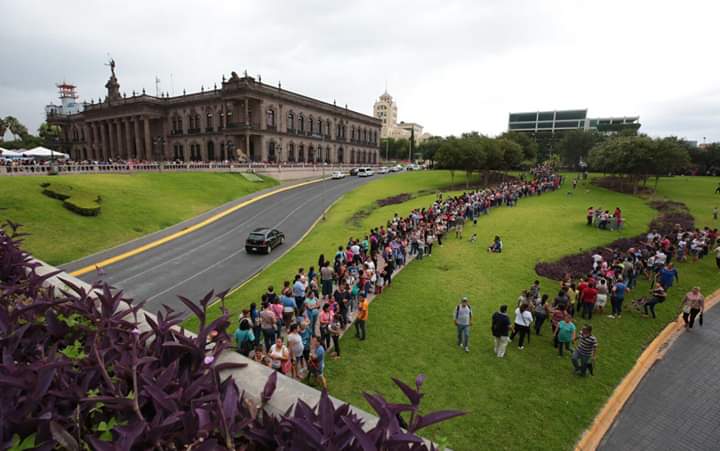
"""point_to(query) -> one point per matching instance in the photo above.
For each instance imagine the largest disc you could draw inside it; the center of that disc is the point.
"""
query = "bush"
(80, 202)
(77, 373)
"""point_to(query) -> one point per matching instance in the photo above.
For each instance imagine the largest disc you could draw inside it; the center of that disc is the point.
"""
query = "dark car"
(354, 171)
(263, 240)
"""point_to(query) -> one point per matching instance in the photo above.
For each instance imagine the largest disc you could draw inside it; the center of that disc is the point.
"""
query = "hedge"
(80, 202)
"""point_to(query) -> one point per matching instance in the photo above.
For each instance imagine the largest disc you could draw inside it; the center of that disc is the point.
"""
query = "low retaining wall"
(279, 172)
(250, 379)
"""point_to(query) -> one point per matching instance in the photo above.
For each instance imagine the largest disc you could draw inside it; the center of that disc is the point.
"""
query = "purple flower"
(135, 331)
(209, 359)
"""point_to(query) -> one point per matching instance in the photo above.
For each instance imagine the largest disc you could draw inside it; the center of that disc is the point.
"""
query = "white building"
(385, 109)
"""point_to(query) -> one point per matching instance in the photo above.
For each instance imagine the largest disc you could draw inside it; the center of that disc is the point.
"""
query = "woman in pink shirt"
(326, 317)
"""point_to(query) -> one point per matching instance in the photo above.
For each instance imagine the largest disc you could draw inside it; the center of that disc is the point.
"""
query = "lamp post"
(322, 164)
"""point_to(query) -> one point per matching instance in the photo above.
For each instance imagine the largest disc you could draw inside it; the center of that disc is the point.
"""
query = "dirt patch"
(672, 214)
(392, 200)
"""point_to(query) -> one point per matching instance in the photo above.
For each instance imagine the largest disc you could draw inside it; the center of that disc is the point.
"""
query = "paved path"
(677, 404)
(214, 257)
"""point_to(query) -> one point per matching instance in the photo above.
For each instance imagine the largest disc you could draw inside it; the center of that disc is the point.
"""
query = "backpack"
(246, 346)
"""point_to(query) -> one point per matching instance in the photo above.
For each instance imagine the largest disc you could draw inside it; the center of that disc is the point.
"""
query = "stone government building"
(243, 120)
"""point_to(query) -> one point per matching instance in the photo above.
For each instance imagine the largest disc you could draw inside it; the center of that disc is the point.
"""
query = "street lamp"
(322, 180)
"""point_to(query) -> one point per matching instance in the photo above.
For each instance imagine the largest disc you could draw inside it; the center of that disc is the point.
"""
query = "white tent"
(42, 152)
(9, 153)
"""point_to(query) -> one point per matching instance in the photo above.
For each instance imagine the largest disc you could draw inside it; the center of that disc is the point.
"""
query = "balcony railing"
(193, 131)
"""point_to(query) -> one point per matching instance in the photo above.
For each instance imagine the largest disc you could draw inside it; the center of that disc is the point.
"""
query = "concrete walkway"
(677, 404)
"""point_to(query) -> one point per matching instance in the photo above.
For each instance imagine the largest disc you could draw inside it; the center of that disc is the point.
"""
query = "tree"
(50, 134)
(575, 146)
(629, 156)
(512, 153)
(449, 156)
(705, 160)
(527, 142)
(670, 156)
(3, 129)
(472, 156)
(429, 147)
(395, 149)
(17, 129)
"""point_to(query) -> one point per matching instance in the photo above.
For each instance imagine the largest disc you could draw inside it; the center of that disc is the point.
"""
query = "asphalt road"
(214, 257)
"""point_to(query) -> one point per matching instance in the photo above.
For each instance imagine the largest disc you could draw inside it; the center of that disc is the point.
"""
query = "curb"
(593, 436)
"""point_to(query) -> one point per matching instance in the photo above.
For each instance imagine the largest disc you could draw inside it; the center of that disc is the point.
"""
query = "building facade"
(386, 110)
(564, 120)
(242, 120)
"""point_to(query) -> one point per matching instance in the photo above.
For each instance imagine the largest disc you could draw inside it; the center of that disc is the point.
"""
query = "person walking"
(565, 334)
(658, 296)
(523, 319)
(583, 358)
(361, 319)
(501, 330)
(463, 321)
(693, 304)
(667, 275)
(317, 361)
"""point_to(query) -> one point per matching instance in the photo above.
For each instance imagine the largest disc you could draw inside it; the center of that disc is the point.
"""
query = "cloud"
(453, 66)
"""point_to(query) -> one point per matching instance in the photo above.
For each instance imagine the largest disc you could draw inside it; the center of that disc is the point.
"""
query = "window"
(209, 123)
(291, 121)
(327, 127)
(301, 123)
(291, 153)
(301, 154)
(270, 118)
(320, 127)
(312, 126)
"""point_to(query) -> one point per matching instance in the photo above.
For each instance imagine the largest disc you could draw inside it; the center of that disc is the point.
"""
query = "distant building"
(548, 126)
(386, 110)
(243, 119)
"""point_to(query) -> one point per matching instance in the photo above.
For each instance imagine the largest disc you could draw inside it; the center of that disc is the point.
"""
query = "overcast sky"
(452, 66)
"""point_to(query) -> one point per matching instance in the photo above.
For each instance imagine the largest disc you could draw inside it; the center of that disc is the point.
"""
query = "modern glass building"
(558, 121)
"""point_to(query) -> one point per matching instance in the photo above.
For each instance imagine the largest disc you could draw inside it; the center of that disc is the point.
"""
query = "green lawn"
(132, 206)
(697, 192)
(530, 399)
(351, 216)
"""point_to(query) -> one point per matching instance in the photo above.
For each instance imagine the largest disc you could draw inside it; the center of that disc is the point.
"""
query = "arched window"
(211, 151)
(270, 117)
(209, 123)
(272, 157)
(291, 153)
(197, 121)
(301, 153)
(365, 139)
(338, 130)
(311, 153)
(291, 121)
(327, 127)
(320, 126)
(312, 125)
(340, 155)
(327, 154)
(301, 123)
(352, 133)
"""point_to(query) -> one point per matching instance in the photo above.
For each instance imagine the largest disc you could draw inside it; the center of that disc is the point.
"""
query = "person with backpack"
(463, 321)
(244, 336)
(501, 330)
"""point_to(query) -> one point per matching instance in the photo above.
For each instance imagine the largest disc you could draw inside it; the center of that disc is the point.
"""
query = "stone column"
(247, 111)
(122, 153)
(128, 140)
(138, 143)
(111, 140)
(103, 141)
(260, 149)
(247, 145)
(164, 147)
(148, 142)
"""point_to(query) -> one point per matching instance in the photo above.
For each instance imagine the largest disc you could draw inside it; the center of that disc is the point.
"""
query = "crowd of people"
(603, 219)
(609, 278)
(294, 330)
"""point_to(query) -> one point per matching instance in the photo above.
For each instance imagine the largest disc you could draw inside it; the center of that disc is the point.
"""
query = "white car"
(383, 170)
(369, 171)
(337, 175)
(396, 168)
(365, 172)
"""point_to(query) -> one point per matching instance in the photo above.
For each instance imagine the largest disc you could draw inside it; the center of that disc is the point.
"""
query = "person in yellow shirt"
(361, 318)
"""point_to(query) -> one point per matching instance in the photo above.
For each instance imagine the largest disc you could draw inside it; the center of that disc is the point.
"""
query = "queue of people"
(294, 330)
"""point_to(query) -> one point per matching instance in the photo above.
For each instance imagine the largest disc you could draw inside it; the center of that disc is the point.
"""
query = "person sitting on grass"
(583, 358)
(496, 246)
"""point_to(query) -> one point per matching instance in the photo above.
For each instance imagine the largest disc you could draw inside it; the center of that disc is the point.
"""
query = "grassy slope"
(335, 230)
(133, 205)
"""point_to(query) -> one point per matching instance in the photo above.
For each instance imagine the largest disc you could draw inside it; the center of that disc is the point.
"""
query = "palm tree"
(17, 129)
(3, 127)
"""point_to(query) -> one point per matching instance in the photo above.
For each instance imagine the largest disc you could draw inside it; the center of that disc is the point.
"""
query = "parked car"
(369, 171)
(337, 175)
(383, 170)
(362, 172)
(396, 168)
(263, 240)
(354, 171)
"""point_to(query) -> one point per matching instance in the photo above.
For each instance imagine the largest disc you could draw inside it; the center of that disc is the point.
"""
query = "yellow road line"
(592, 437)
(181, 233)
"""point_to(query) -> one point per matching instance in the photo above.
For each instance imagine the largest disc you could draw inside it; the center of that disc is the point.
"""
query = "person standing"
(317, 361)
(693, 304)
(542, 311)
(565, 334)
(361, 319)
(584, 356)
(463, 321)
(244, 337)
(280, 356)
(501, 330)
(588, 297)
(268, 323)
(327, 274)
(617, 297)
(523, 319)
(295, 345)
(667, 275)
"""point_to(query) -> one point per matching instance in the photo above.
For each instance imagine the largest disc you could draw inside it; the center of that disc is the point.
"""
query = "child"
(473, 238)
(496, 246)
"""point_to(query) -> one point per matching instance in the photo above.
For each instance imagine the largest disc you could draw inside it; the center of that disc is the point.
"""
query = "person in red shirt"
(588, 297)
